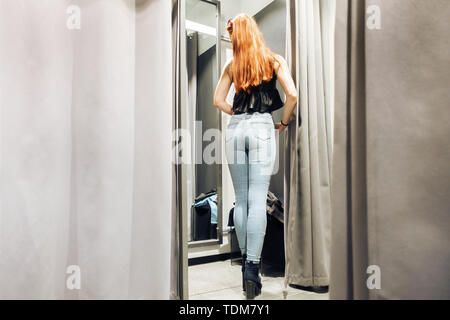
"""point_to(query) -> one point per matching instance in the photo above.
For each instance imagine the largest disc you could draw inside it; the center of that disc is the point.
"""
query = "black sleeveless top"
(262, 98)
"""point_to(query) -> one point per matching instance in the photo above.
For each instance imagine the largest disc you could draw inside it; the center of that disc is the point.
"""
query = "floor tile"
(222, 281)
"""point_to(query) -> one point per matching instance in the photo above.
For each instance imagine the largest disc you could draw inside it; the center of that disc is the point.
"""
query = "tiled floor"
(222, 281)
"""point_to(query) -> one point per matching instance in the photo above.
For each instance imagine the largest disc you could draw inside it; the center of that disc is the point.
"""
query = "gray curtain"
(391, 175)
(80, 184)
(309, 52)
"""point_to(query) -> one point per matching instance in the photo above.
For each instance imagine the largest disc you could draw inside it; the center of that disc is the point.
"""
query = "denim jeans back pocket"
(229, 132)
(263, 130)
(262, 141)
(263, 134)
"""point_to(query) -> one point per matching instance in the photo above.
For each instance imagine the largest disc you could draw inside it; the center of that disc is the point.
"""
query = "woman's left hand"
(280, 127)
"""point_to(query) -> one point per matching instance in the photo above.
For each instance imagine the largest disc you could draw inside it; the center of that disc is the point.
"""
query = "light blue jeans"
(251, 153)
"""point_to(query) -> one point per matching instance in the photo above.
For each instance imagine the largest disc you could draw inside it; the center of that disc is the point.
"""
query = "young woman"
(251, 133)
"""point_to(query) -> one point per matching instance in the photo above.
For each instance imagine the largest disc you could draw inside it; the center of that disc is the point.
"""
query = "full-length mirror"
(202, 173)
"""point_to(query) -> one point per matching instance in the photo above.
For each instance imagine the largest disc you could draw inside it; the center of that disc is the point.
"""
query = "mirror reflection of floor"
(222, 281)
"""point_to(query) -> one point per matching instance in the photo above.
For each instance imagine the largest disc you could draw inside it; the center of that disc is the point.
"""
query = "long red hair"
(253, 61)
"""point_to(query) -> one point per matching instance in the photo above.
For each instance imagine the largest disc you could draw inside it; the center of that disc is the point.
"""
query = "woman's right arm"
(222, 88)
(288, 85)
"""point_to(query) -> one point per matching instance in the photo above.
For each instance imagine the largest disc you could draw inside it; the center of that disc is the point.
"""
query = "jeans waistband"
(254, 115)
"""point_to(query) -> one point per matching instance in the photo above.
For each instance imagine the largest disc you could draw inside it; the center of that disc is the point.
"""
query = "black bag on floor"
(272, 255)
(203, 229)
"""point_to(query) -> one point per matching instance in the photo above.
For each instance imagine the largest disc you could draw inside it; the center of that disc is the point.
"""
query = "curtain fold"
(308, 144)
(350, 149)
(79, 181)
(391, 168)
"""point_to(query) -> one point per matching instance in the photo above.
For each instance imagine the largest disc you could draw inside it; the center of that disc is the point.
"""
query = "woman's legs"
(262, 151)
(256, 220)
(251, 152)
(238, 164)
(239, 175)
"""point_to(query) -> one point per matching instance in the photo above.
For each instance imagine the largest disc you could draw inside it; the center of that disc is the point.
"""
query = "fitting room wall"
(272, 23)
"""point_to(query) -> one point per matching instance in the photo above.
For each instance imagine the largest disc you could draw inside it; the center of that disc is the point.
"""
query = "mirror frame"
(183, 66)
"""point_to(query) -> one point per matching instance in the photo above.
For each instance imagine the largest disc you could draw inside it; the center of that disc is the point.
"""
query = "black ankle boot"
(244, 259)
(252, 280)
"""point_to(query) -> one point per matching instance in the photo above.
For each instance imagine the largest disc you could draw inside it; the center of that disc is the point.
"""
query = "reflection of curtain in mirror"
(190, 116)
(309, 52)
(391, 169)
(83, 115)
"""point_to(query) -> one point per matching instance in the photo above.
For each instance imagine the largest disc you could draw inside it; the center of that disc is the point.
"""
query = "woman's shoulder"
(279, 61)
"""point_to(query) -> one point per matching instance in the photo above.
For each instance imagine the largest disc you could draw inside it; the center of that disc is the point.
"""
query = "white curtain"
(83, 114)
